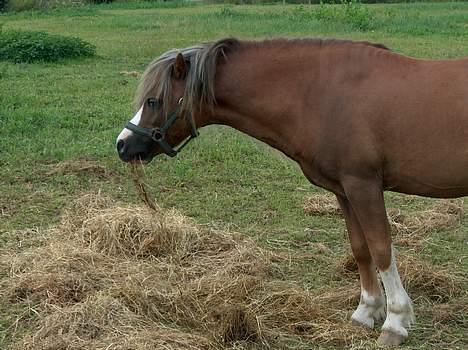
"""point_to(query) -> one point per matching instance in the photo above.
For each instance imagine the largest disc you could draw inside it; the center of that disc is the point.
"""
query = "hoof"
(355, 322)
(390, 338)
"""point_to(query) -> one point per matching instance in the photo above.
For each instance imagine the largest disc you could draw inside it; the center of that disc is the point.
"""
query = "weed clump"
(28, 47)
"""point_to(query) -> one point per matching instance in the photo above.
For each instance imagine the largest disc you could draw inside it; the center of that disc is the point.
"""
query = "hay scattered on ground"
(78, 167)
(419, 277)
(454, 312)
(110, 274)
(410, 228)
(132, 277)
(133, 73)
(321, 204)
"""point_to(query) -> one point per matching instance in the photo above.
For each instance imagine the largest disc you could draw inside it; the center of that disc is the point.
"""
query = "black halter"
(158, 134)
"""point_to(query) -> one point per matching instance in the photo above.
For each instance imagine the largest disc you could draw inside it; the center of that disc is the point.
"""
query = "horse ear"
(180, 68)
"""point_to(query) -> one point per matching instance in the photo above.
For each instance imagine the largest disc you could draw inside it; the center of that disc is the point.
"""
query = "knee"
(382, 257)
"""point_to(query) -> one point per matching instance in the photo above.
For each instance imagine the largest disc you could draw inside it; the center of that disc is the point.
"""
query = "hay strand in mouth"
(138, 176)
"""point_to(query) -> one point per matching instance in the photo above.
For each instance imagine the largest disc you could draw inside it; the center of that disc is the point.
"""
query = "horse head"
(163, 120)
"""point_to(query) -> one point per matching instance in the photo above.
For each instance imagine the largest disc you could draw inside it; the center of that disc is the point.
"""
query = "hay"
(109, 274)
(79, 167)
(138, 176)
(410, 228)
(321, 204)
(131, 277)
(436, 283)
(133, 74)
(419, 277)
(456, 311)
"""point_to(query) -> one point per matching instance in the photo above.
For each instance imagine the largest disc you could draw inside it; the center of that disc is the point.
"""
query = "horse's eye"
(153, 102)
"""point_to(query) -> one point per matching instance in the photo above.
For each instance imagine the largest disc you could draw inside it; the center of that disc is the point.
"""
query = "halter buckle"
(157, 135)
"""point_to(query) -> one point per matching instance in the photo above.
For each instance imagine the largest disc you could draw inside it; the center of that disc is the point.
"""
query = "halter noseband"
(158, 134)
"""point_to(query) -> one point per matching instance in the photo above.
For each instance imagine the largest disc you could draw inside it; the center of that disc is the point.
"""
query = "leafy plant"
(27, 47)
(3, 5)
(350, 12)
(356, 14)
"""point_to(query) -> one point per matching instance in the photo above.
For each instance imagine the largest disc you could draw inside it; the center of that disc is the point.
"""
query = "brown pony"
(358, 118)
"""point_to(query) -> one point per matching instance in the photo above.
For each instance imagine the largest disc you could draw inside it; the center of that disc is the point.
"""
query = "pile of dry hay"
(127, 277)
(118, 277)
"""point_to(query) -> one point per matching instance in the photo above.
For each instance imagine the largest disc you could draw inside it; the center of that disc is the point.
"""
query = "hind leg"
(366, 199)
(371, 306)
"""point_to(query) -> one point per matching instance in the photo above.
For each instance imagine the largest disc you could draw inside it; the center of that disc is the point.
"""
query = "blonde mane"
(199, 86)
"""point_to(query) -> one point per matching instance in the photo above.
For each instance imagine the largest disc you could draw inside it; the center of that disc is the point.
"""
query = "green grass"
(70, 111)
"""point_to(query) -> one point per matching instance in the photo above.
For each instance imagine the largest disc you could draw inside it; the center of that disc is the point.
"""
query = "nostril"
(121, 146)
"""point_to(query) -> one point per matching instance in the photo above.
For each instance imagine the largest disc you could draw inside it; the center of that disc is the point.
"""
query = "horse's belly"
(440, 181)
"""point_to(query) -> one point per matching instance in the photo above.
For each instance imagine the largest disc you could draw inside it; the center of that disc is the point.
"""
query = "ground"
(59, 121)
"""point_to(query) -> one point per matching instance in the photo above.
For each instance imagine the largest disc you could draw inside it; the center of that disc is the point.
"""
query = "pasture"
(58, 123)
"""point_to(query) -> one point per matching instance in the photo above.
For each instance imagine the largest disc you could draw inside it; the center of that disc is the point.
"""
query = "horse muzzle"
(134, 152)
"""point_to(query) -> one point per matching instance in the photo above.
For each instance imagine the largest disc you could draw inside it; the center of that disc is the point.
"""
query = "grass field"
(58, 124)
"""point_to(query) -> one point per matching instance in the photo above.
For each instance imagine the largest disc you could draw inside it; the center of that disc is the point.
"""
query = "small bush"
(3, 5)
(30, 47)
(25, 5)
(350, 12)
(357, 15)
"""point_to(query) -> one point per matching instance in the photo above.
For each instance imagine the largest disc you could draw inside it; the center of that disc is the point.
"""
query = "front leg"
(399, 306)
(371, 307)
(367, 201)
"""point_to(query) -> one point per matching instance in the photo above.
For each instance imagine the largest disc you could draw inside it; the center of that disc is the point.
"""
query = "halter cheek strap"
(158, 134)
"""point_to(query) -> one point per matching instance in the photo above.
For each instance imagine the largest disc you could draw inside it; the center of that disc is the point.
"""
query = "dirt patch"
(79, 167)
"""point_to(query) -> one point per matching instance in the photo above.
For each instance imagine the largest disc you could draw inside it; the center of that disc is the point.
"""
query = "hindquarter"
(407, 126)
(425, 140)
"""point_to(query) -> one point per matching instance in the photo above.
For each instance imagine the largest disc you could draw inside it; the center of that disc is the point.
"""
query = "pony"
(358, 118)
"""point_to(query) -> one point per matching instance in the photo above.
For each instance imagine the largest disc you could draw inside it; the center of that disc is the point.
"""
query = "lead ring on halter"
(158, 134)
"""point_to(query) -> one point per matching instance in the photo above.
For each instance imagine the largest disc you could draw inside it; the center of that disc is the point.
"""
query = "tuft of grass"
(28, 47)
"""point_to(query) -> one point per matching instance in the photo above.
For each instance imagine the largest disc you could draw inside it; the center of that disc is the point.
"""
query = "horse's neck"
(257, 94)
